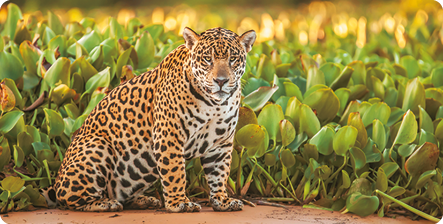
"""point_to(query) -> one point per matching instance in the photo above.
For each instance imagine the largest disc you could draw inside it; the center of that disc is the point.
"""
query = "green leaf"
(265, 68)
(358, 158)
(12, 184)
(390, 168)
(19, 156)
(331, 71)
(287, 158)
(91, 105)
(30, 55)
(88, 41)
(250, 136)
(101, 79)
(10, 66)
(323, 140)
(382, 180)
(10, 26)
(380, 111)
(424, 178)
(55, 24)
(270, 118)
(343, 79)
(257, 99)
(344, 139)
(9, 120)
(343, 95)
(123, 60)
(145, 49)
(325, 102)
(411, 66)
(54, 121)
(362, 205)
(59, 73)
(423, 159)
(355, 121)
(408, 129)
(414, 96)
(379, 134)
(437, 76)
(308, 121)
(287, 132)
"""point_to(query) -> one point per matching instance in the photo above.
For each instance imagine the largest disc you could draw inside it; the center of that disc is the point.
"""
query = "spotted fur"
(147, 127)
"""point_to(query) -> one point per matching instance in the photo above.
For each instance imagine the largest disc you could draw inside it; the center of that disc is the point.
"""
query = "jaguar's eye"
(233, 59)
(207, 58)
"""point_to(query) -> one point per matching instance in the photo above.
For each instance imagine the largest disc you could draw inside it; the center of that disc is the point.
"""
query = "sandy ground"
(250, 215)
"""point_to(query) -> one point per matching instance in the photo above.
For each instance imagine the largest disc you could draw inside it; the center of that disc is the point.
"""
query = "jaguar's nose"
(221, 81)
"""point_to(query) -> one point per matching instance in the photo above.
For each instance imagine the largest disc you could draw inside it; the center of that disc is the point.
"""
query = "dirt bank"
(260, 214)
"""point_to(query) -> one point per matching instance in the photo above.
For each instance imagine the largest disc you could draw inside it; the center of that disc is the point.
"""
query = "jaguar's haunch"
(147, 127)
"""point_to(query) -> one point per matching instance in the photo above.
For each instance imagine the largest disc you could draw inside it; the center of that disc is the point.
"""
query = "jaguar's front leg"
(168, 149)
(216, 165)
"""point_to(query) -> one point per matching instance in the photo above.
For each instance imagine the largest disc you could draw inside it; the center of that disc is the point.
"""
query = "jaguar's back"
(145, 128)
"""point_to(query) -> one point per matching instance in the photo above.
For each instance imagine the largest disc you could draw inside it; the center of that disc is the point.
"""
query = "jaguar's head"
(218, 60)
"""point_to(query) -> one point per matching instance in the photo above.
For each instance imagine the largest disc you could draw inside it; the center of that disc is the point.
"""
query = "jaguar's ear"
(190, 37)
(247, 40)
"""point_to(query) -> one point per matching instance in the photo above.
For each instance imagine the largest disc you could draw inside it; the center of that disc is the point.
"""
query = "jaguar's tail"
(49, 194)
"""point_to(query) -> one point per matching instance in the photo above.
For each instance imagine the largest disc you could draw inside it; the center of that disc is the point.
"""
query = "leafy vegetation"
(354, 129)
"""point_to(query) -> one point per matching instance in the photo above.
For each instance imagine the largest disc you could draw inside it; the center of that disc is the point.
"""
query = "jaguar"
(147, 127)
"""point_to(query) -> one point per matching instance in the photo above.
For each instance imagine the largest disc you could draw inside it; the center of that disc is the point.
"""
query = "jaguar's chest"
(209, 128)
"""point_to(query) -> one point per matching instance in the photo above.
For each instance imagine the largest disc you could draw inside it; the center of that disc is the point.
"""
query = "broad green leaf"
(323, 140)
(437, 76)
(423, 159)
(411, 66)
(19, 156)
(287, 158)
(59, 73)
(308, 121)
(30, 55)
(356, 121)
(343, 95)
(88, 41)
(265, 68)
(292, 90)
(287, 132)
(9, 120)
(362, 205)
(93, 103)
(379, 134)
(343, 79)
(258, 98)
(380, 111)
(10, 26)
(325, 102)
(10, 66)
(425, 121)
(408, 129)
(314, 77)
(414, 96)
(424, 178)
(270, 118)
(382, 180)
(406, 150)
(12, 184)
(24, 140)
(357, 157)
(344, 139)
(54, 121)
(55, 24)
(101, 79)
(250, 136)
(390, 168)
(145, 49)
(331, 71)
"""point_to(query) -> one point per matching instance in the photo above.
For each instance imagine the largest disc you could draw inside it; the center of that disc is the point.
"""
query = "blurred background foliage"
(342, 101)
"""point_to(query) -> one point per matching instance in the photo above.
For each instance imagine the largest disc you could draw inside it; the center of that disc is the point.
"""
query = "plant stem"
(410, 208)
